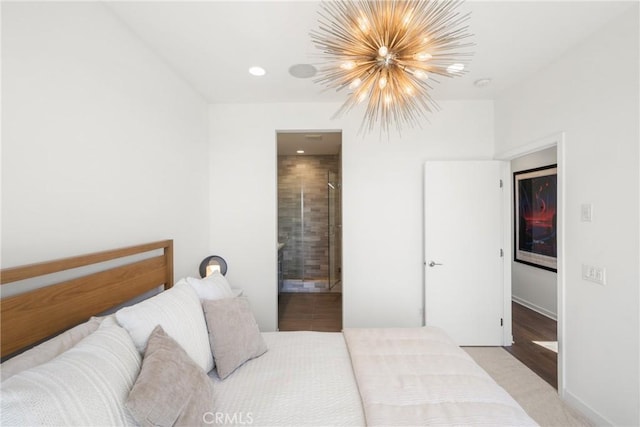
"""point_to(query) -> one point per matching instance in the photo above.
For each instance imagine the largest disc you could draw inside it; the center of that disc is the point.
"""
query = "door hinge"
(501, 253)
(501, 184)
(501, 322)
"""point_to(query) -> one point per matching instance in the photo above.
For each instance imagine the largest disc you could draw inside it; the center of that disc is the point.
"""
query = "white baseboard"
(585, 409)
(535, 308)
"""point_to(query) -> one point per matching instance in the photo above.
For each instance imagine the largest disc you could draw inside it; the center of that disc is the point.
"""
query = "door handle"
(433, 263)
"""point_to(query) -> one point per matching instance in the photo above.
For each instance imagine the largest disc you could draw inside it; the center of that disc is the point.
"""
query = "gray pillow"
(171, 388)
(233, 333)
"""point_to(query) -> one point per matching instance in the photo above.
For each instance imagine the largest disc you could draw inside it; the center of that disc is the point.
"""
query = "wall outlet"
(594, 274)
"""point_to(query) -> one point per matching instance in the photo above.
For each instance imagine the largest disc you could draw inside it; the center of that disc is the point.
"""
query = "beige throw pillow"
(171, 388)
(233, 333)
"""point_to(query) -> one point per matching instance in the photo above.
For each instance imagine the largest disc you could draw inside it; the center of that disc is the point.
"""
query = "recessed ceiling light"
(482, 82)
(257, 71)
(300, 151)
(455, 68)
(303, 71)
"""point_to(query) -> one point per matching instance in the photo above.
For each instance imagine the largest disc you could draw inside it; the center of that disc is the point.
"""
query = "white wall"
(382, 202)
(103, 145)
(530, 286)
(592, 93)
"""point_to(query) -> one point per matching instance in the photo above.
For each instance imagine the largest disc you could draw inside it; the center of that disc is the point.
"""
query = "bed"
(382, 376)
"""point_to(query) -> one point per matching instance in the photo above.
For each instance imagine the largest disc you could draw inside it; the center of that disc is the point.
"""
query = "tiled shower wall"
(304, 227)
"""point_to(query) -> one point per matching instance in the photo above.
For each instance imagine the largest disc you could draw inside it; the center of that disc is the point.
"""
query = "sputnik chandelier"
(387, 53)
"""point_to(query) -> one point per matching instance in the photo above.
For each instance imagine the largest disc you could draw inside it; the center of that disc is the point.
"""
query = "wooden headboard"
(32, 316)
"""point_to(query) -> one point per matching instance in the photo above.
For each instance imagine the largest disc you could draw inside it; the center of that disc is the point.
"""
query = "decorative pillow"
(233, 333)
(86, 385)
(214, 286)
(179, 312)
(171, 389)
(49, 349)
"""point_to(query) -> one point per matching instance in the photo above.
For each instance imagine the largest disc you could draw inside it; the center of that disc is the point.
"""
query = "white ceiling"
(311, 142)
(211, 44)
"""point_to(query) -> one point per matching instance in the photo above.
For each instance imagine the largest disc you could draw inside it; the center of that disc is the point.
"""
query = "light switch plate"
(594, 274)
(586, 212)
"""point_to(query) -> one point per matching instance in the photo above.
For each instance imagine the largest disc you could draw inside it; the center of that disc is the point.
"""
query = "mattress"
(305, 378)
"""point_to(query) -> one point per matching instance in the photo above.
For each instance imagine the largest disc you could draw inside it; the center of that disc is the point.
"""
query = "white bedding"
(305, 378)
(406, 376)
(419, 376)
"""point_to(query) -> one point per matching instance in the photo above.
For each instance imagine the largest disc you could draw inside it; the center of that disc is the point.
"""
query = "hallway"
(530, 327)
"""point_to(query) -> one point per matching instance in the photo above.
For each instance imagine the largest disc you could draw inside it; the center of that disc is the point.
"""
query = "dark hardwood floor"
(301, 311)
(529, 326)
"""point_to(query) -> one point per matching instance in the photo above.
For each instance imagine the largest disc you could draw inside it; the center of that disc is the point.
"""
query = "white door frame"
(555, 140)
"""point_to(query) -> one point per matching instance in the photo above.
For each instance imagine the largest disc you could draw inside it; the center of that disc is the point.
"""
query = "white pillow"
(179, 312)
(212, 287)
(86, 385)
(49, 349)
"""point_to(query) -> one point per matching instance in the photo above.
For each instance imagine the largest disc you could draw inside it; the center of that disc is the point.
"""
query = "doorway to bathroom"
(310, 230)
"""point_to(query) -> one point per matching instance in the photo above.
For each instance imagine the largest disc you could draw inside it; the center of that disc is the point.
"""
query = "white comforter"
(418, 376)
(304, 379)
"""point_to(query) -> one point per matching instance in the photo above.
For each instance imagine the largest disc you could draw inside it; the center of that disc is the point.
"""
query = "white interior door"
(464, 288)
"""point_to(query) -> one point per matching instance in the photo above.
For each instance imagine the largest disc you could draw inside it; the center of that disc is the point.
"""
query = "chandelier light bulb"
(422, 56)
(421, 75)
(383, 51)
(349, 65)
(455, 68)
(407, 18)
(355, 83)
(382, 82)
(362, 96)
(363, 23)
(388, 99)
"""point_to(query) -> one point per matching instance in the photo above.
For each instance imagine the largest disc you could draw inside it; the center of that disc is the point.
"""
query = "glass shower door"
(297, 236)
(291, 207)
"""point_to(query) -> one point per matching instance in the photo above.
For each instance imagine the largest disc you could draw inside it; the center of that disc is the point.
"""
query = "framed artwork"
(535, 214)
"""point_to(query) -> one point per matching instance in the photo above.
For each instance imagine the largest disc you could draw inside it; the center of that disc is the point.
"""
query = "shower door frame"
(334, 194)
